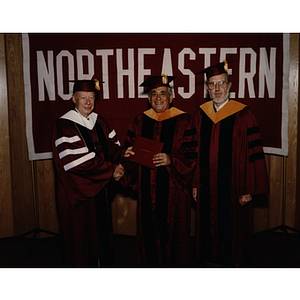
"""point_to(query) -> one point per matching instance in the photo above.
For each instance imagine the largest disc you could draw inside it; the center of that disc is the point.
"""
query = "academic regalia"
(164, 201)
(85, 152)
(231, 164)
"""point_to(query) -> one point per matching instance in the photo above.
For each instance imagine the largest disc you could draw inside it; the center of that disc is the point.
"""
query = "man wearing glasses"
(231, 168)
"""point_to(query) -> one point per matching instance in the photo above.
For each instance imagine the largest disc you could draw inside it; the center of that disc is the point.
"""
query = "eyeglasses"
(212, 85)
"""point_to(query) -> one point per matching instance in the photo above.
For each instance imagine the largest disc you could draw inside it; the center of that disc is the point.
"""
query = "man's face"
(160, 99)
(84, 102)
(220, 93)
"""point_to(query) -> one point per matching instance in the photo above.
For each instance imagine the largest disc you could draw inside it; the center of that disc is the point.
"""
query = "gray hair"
(170, 91)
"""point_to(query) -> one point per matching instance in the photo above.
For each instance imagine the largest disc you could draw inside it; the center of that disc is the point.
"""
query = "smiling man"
(84, 102)
(87, 157)
(160, 99)
(231, 169)
(163, 211)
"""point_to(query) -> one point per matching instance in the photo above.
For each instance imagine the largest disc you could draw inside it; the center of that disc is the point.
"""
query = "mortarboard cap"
(154, 81)
(86, 85)
(217, 69)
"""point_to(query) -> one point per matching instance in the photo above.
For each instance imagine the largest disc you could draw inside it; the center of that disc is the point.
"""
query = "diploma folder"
(144, 150)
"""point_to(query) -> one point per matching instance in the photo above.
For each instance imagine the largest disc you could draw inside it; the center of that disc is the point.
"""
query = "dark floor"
(271, 250)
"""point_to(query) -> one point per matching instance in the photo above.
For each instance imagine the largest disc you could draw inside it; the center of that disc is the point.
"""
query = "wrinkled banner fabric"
(259, 71)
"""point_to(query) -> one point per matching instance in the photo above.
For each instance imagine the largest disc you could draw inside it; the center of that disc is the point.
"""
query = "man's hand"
(195, 194)
(119, 172)
(129, 152)
(161, 159)
(244, 199)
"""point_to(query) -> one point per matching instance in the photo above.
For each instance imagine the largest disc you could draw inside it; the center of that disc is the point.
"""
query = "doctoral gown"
(231, 164)
(164, 193)
(85, 153)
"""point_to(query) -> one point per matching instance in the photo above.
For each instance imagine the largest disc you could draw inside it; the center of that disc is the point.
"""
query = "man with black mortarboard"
(164, 200)
(87, 156)
(231, 168)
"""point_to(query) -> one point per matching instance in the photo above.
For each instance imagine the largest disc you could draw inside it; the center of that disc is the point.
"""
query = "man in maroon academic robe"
(87, 154)
(231, 169)
(164, 193)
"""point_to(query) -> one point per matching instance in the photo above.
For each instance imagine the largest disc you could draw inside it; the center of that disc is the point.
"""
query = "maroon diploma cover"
(144, 150)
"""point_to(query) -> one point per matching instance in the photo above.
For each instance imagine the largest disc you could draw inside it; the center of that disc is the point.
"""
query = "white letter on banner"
(192, 56)
(104, 53)
(90, 57)
(167, 66)
(207, 52)
(244, 75)
(45, 75)
(266, 72)
(60, 77)
(129, 72)
(141, 71)
(223, 53)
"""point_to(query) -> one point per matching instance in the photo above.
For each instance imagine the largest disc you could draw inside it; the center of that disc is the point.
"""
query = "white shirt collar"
(217, 108)
(77, 117)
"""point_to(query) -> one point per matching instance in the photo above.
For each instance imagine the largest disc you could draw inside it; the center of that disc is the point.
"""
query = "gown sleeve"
(184, 153)
(84, 173)
(252, 166)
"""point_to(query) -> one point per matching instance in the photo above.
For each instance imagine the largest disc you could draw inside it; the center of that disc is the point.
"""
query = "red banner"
(259, 73)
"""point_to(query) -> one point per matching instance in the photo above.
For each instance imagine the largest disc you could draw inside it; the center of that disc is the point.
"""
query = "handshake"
(119, 170)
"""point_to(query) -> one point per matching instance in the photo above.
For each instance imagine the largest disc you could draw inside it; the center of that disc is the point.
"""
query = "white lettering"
(223, 53)
(45, 75)
(243, 75)
(192, 56)
(207, 53)
(167, 68)
(141, 71)
(122, 72)
(104, 54)
(60, 78)
(266, 72)
(79, 56)
(86, 65)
